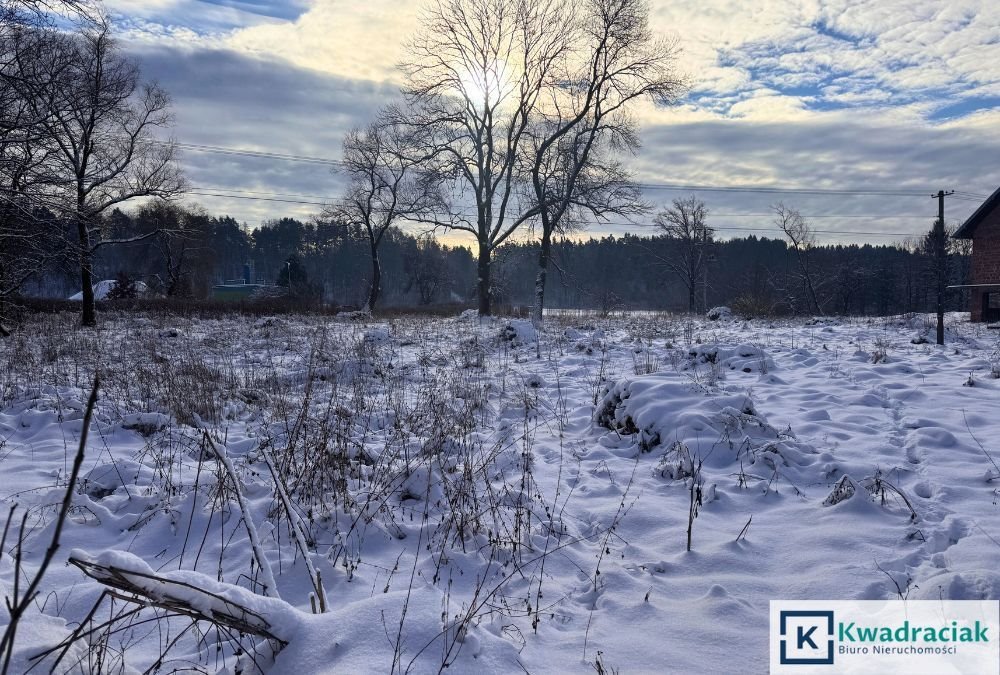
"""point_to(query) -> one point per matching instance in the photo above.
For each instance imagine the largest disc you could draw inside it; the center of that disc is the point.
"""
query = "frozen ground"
(474, 495)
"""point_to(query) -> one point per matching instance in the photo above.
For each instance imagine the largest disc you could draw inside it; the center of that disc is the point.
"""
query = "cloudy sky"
(829, 95)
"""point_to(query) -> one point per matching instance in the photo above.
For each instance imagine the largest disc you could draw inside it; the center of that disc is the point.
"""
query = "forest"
(328, 264)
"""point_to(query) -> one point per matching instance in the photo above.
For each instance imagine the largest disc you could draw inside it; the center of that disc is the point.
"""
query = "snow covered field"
(476, 495)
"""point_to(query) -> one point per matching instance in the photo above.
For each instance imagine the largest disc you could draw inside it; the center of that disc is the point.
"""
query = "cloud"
(829, 151)
(829, 93)
(224, 98)
(339, 37)
(208, 20)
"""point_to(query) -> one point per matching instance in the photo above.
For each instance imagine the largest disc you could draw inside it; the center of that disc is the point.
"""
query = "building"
(239, 290)
(983, 228)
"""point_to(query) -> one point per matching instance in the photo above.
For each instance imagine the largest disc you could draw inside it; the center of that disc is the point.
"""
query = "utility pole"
(940, 262)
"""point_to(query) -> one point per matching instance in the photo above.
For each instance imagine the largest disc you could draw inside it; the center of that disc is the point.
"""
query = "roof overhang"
(969, 226)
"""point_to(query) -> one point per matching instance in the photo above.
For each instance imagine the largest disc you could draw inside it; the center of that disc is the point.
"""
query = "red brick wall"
(985, 259)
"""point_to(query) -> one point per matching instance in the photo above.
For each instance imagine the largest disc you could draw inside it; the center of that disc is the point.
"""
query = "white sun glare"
(486, 86)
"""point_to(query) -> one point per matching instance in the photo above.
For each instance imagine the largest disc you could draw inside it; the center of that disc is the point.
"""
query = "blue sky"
(830, 94)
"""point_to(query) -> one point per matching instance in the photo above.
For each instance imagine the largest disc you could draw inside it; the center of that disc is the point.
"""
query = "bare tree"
(585, 118)
(21, 11)
(100, 120)
(802, 240)
(387, 184)
(477, 71)
(426, 268)
(178, 253)
(685, 225)
(575, 185)
(27, 55)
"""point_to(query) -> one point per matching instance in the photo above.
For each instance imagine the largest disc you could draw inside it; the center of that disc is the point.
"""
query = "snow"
(519, 332)
(102, 288)
(494, 496)
(720, 313)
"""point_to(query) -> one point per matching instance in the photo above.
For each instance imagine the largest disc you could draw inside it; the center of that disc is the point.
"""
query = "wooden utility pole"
(940, 262)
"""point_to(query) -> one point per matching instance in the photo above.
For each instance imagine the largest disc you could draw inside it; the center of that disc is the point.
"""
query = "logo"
(813, 637)
(806, 637)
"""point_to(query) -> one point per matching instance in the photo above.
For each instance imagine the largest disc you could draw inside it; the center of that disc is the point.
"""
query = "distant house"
(983, 228)
(238, 290)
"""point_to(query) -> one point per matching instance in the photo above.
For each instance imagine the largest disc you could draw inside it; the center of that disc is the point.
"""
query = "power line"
(860, 192)
(257, 199)
(215, 191)
(258, 153)
(778, 229)
(616, 223)
(256, 195)
(881, 192)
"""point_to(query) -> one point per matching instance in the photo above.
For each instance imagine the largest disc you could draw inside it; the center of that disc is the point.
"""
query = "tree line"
(327, 262)
(183, 252)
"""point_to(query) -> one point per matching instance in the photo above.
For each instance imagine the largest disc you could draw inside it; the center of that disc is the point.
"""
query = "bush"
(124, 289)
(752, 306)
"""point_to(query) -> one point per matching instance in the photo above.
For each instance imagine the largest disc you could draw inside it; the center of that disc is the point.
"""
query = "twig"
(743, 532)
(296, 527)
(270, 586)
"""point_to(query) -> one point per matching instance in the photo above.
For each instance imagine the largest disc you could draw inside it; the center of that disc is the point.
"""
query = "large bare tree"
(101, 120)
(685, 224)
(29, 61)
(585, 119)
(802, 240)
(387, 184)
(477, 71)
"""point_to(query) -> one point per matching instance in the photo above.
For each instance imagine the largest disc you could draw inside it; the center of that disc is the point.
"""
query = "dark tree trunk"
(89, 310)
(483, 280)
(376, 289)
(543, 272)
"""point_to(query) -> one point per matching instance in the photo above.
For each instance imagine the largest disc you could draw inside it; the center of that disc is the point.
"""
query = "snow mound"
(377, 335)
(965, 585)
(519, 332)
(746, 358)
(534, 380)
(146, 423)
(584, 342)
(661, 410)
(721, 313)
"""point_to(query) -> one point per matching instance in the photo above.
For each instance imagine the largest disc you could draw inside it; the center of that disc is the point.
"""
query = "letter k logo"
(803, 636)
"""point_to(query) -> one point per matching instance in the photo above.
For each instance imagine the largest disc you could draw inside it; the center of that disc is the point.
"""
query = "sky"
(841, 95)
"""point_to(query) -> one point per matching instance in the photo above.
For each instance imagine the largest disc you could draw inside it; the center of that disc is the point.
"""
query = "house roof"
(969, 226)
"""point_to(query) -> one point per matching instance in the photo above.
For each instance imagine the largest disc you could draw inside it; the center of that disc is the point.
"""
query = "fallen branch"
(178, 597)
